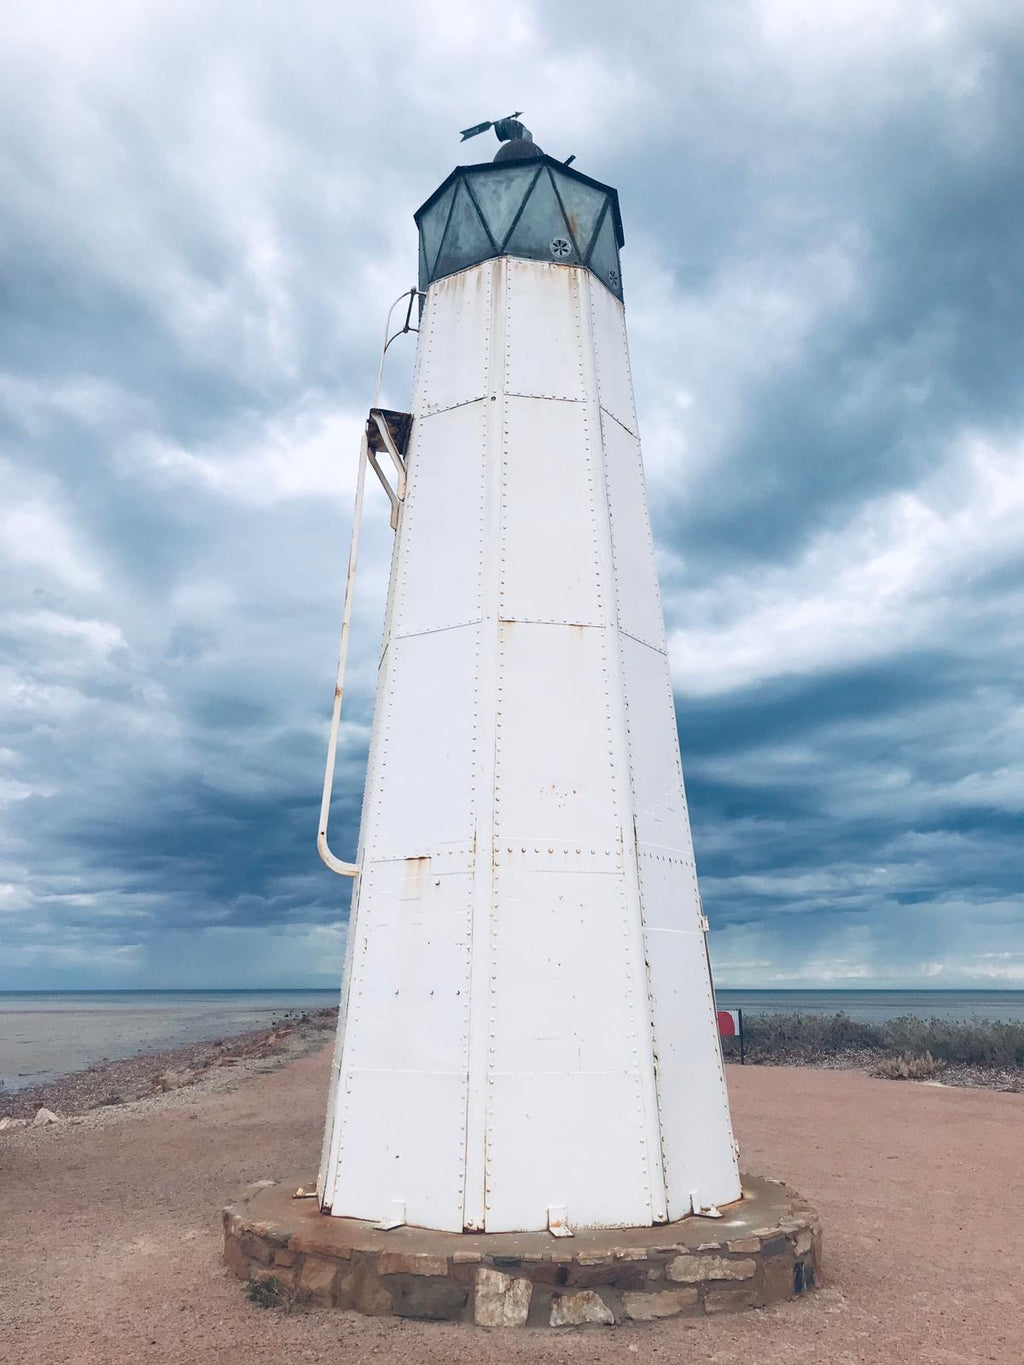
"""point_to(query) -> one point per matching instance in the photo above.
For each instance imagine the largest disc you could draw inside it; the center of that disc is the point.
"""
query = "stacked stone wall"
(542, 1282)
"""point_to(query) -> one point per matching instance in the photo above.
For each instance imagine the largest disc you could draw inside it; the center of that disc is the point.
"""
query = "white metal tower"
(527, 1033)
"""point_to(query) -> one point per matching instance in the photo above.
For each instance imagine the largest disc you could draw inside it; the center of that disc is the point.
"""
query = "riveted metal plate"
(543, 344)
(659, 803)
(581, 1130)
(405, 1141)
(552, 857)
(668, 890)
(555, 781)
(549, 534)
(559, 943)
(614, 381)
(438, 559)
(637, 596)
(416, 950)
(454, 364)
(423, 790)
(698, 1155)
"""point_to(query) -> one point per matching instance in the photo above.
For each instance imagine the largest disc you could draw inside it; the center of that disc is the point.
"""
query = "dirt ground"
(110, 1234)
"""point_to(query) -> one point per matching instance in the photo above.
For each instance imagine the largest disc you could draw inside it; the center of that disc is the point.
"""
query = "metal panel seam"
(636, 948)
(436, 630)
(485, 684)
(499, 509)
(436, 409)
(646, 512)
(618, 420)
(648, 644)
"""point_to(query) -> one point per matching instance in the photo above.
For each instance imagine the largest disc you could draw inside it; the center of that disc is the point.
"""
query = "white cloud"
(892, 579)
(208, 210)
(98, 638)
(306, 453)
(37, 534)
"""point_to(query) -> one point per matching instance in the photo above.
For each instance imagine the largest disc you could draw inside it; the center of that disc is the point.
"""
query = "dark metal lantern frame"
(537, 207)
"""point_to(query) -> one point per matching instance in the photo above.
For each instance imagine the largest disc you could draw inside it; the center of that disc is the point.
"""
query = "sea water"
(52, 1033)
(876, 1006)
(44, 1034)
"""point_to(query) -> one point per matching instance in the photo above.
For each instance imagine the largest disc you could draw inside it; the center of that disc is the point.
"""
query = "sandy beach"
(111, 1233)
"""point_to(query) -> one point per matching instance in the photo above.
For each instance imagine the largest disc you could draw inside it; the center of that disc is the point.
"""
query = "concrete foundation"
(765, 1248)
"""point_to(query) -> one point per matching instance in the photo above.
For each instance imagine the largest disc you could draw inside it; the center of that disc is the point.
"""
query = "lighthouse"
(527, 1036)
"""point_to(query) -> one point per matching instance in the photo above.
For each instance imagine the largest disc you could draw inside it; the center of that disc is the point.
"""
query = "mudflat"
(110, 1233)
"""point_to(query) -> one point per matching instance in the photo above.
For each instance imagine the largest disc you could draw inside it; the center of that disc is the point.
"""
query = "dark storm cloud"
(207, 211)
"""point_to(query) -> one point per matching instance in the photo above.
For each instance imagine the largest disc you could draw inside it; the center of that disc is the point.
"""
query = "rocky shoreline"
(115, 1083)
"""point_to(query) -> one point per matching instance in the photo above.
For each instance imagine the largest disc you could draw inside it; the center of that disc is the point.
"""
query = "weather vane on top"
(517, 139)
(505, 129)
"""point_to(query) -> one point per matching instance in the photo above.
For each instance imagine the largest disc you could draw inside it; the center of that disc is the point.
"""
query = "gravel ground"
(110, 1233)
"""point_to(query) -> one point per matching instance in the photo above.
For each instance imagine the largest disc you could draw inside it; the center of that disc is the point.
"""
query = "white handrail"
(412, 295)
(336, 864)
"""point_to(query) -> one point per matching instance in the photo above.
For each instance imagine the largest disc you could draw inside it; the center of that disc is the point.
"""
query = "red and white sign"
(729, 1023)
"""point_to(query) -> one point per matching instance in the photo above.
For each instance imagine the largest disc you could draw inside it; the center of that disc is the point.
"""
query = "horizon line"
(322, 990)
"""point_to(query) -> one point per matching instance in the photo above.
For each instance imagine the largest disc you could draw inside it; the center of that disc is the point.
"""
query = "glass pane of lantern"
(604, 258)
(583, 205)
(465, 240)
(499, 195)
(432, 226)
(542, 232)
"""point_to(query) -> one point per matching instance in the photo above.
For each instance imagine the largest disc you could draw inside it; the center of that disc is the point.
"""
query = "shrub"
(908, 1068)
(810, 1037)
(978, 1042)
(807, 1035)
(269, 1292)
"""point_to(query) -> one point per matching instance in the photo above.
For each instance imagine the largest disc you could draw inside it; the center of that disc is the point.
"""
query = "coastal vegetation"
(907, 1067)
(906, 1048)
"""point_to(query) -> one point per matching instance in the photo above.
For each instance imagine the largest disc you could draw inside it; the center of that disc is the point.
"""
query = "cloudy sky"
(207, 210)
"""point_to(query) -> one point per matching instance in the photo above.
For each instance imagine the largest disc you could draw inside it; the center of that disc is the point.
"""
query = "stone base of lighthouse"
(765, 1248)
